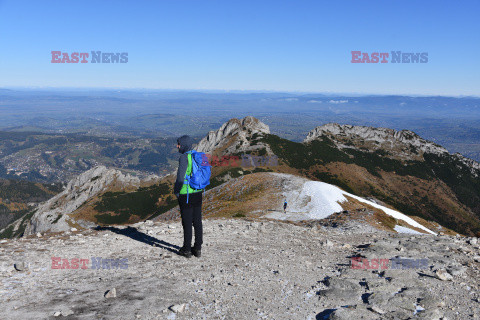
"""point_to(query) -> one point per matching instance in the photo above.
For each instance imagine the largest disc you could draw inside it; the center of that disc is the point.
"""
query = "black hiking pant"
(191, 215)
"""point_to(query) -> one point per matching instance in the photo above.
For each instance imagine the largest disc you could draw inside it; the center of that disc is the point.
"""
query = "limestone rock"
(235, 135)
(356, 312)
(53, 215)
(21, 266)
(443, 275)
(178, 308)
(404, 144)
(344, 291)
(112, 293)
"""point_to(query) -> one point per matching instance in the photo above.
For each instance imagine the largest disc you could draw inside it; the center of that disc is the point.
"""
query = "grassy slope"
(438, 188)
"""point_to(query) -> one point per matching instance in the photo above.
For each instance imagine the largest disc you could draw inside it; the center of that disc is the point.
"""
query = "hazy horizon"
(233, 91)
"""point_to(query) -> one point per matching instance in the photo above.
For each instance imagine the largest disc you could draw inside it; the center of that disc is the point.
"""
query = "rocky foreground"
(249, 270)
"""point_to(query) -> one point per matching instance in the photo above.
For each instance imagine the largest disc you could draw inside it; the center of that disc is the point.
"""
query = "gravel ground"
(248, 270)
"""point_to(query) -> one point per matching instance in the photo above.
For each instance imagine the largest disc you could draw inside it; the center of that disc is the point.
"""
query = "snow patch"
(401, 229)
(318, 200)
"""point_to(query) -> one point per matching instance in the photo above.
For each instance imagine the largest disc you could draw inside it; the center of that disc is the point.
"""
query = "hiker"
(189, 200)
(285, 206)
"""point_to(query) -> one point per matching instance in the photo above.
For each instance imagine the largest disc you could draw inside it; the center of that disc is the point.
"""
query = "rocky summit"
(403, 144)
(249, 269)
(234, 136)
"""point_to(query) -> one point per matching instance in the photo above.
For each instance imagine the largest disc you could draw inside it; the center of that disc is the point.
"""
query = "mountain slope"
(261, 195)
(396, 169)
(433, 185)
(399, 168)
(318, 200)
(110, 192)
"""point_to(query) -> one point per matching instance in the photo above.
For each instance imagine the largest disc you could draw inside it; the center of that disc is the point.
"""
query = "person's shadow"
(140, 236)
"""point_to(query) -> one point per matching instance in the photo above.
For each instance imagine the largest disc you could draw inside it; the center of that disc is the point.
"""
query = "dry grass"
(378, 218)
(14, 206)
(251, 195)
(408, 190)
(434, 226)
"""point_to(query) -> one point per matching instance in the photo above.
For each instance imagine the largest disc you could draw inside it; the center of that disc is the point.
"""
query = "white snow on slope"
(318, 200)
(401, 229)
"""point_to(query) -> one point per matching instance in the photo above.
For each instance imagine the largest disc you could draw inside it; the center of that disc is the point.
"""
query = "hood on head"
(185, 143)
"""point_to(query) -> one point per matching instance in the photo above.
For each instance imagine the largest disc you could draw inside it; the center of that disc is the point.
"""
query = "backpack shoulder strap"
(189, 166)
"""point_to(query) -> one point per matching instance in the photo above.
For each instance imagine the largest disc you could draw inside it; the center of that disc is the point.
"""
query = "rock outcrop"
(234, 136)
(55, 215)
(403, 144)
(376, 138)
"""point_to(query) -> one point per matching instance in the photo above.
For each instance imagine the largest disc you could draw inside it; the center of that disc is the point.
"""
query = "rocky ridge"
(403, 144)
(54, 214)
(233, 137)
(381, 138)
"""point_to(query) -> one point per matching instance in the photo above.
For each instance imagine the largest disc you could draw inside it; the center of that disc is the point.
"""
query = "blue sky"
(244, 45)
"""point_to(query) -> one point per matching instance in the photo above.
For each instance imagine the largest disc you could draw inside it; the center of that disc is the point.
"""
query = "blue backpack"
(201, 171)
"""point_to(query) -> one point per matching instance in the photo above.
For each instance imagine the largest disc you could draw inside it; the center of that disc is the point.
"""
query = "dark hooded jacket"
(186, 144)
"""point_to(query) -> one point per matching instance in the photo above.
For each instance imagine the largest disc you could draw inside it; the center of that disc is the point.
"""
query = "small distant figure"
(285, 206)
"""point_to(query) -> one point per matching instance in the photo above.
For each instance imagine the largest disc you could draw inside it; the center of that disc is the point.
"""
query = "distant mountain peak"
(234, 136)
(403, 144)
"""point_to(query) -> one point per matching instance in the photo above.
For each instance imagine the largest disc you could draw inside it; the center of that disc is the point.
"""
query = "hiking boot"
(185, 252)
(197, 252)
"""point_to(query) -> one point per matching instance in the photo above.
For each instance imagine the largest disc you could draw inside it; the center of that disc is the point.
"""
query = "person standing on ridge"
(189, 200)
(285, 206)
